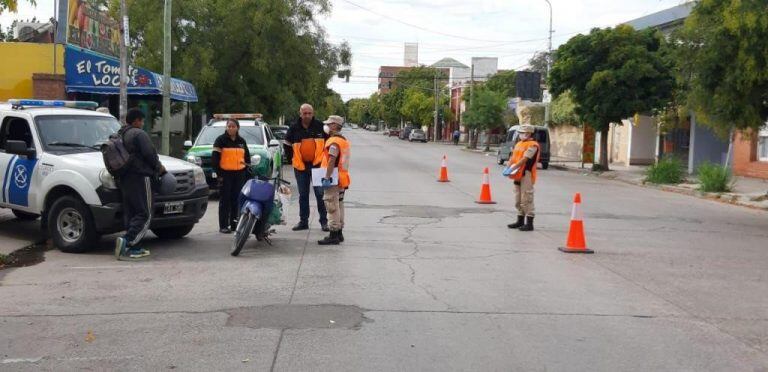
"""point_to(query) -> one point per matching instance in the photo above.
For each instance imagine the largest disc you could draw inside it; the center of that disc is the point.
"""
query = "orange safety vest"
(342, 161)
(232, 159)
(298, 160)
(520, 148)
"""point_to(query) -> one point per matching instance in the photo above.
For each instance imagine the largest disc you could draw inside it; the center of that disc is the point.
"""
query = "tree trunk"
(473, 141)
(603, 166)
(487, 140)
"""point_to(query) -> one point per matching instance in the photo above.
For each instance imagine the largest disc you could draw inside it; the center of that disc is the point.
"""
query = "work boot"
(520, 222)
(332, 239)
(301, 226)
(528, 224)
(341, 235)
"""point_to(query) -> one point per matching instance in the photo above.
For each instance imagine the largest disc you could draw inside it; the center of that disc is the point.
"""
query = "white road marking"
(20, 360)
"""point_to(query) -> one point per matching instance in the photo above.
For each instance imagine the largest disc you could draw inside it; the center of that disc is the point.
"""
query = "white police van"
(51, 167)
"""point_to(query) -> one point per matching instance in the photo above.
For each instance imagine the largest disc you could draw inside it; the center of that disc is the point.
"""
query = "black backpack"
(117, 159)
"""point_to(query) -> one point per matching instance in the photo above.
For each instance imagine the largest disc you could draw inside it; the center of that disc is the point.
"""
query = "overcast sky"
(512, 30)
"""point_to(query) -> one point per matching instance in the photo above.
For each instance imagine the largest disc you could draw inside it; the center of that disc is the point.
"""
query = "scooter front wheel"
(242, 231)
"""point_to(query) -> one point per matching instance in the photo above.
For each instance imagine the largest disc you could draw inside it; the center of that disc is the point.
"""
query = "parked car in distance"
(373, 127)
(394, 132)
(417, 135)
(541, 135)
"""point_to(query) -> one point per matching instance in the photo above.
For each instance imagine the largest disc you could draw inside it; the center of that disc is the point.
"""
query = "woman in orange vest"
(335, 157)
(230, 161)
(522, 169)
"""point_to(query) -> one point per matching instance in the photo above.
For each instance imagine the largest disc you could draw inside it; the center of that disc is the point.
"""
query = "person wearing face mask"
(522, 170)
(230, 161)
(335, 156)
(307, 139)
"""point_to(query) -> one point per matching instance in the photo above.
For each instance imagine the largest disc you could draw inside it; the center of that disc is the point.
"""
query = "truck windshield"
(73, 133)
(251, 134)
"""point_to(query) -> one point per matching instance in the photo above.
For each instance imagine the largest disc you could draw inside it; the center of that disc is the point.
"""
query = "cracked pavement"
(427, 280)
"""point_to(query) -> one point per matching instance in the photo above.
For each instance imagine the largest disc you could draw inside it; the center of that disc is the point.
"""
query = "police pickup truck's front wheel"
(71, 226)
(175, 232)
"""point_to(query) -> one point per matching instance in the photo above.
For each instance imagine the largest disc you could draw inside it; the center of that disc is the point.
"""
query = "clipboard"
(319, 173)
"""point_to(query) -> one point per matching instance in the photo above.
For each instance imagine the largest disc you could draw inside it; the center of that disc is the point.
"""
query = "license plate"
(173, 208)
(213, 175)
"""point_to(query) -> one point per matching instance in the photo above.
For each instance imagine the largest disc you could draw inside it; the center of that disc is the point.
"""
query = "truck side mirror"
(187, 145)
(19, 148)
(274, 143)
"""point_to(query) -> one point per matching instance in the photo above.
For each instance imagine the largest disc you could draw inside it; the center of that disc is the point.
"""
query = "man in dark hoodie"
(135, 186)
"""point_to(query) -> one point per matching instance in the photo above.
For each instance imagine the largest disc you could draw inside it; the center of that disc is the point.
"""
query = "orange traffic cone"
(576, 241)
(443, 171)
(485, 189)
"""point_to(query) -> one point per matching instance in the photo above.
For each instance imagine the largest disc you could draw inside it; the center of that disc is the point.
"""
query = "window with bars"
(762, 144)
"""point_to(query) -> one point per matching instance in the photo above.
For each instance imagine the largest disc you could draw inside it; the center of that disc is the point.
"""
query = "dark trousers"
(137, 202)
(304, 181)
(232, 182)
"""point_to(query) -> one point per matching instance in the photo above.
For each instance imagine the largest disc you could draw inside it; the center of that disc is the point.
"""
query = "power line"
(423, 28)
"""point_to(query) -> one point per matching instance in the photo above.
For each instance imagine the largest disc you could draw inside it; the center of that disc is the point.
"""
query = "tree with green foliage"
(418, 107)
(12, 5)
(332, 104)
(722, 55)
(265, 56)
(612, 73)
(503, 82)
(485, 113)
(563, 110)
(376, 108)
(392, 102)
(357, 109)
(421, 77)
(538, 63)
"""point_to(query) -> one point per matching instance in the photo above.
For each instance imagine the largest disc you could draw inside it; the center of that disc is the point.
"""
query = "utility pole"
(123, 61)
(165, 144)
(471, 98)
(549, 67)
(549, 48)
(437, 94)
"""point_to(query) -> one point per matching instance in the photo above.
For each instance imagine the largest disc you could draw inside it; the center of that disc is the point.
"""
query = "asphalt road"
(427, 280)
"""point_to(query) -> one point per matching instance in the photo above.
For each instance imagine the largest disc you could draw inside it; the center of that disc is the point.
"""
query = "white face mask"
(326, 129)
(525, 136)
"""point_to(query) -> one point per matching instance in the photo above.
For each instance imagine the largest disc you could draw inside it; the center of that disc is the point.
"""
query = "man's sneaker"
(133, 254)
(324, 227)
(120, 247)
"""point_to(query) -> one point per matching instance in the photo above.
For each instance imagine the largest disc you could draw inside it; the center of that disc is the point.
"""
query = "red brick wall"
(48, 86)
(745, 156)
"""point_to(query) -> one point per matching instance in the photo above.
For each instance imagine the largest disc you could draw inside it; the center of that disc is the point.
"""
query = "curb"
(724, 198)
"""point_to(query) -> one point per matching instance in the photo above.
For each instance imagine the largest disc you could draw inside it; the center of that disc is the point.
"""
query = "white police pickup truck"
(51, 167)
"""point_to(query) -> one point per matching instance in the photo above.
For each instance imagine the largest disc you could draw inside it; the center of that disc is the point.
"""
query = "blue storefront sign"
(90, 72)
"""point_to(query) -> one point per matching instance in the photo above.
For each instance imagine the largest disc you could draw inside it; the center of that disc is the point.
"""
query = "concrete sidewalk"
(17, 234)
(746, 192)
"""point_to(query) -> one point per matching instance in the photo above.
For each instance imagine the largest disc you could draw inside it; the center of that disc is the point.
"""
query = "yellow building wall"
(18, 61)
